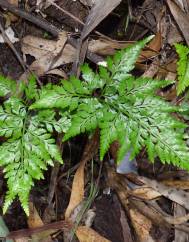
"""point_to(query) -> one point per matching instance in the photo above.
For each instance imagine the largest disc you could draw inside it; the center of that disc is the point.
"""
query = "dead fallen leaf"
(49, 54)
(86, 234)
(77, 193)
(181, 19)
(180, 236)
(99, 11)
(156, 42)
(180, 184)
(10, 34)
(142, 226)
(179, 196)
(35, 221)
(58, 72)
(146, 193)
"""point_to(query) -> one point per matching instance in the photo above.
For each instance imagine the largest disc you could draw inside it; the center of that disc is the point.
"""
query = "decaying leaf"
(86, 234)
(10, 34)
(142, 226)
(49, 54)
(77, 193)
(34, 221)
(179, 196)
(181, 19)
(146, 193)
(98, 12)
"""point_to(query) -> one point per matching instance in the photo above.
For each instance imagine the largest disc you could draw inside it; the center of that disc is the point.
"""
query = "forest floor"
(147, 202)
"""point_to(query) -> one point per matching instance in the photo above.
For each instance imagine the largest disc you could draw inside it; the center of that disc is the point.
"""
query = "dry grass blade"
(98, 12)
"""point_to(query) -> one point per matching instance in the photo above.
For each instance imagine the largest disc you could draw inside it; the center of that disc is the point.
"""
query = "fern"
(123, 107)
(29, 146)
(183, 67)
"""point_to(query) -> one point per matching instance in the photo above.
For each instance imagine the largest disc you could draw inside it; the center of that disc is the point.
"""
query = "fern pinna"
(123, 107)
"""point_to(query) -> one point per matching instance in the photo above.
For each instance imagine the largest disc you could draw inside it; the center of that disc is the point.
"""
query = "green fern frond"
(31, 90)
(92, 80)
(124, 108)
(6, 86)
(26, 153)
(64, 96)
(141, 86)
(182, 67)
(85, 119)
(124, 61)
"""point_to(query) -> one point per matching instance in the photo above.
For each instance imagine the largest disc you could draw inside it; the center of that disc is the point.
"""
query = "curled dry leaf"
(86, 234)
(180, 236)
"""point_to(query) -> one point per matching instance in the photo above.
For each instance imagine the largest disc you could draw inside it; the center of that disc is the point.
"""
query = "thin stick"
(7, 40)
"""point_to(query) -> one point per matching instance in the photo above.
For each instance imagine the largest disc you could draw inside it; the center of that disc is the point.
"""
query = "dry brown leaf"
(180, 236)
(107, 47)
(86, 234)
(49, 54)
(77, 193)
(142, 226)
(179, 196)
(180, 184)
(35, 221)
(14, 2)
(146, 193)
(24, 239)
(58, 72)
(156, 42)
(98, 12)
(181, 19)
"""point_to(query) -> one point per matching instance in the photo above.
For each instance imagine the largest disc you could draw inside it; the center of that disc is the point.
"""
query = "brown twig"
(31, 18)
(9, 43)
(28, 232)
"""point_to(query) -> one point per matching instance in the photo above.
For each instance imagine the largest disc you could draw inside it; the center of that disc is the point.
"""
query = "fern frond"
(85, 119)
(60, 124)
(6, 86)
(30, 89)
(111, 126)
(182, 67)
(64, 96)
(141, 86)
(92, 80)
(124, 61)
(26, 153)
